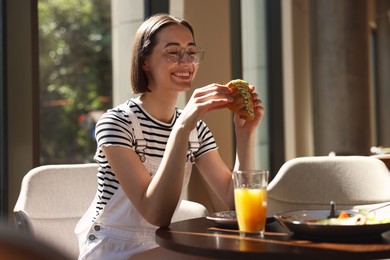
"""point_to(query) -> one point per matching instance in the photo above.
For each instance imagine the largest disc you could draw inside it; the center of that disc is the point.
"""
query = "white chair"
(189, 210)
(312, 182)
(384, 158)
(52, 199)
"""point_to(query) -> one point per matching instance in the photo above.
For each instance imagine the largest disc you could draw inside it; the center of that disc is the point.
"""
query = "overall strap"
(140, 143)
(193, 144)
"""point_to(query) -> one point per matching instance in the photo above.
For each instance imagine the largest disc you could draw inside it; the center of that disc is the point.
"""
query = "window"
(75, 76)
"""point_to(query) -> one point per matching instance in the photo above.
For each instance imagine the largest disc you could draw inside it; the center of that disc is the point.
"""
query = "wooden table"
(204, 237)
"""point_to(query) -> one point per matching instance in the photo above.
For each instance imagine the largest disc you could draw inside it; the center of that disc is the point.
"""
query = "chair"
(312, 182)
(188, 210)
(52, 199)
(384, 158)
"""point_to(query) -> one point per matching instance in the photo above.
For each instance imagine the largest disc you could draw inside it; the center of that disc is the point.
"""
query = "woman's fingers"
(213, 94)
(213, 89)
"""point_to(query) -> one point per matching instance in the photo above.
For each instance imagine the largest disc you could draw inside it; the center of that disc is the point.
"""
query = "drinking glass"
(250, 197)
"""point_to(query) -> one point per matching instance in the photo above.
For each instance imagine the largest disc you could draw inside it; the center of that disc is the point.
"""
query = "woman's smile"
(183, 75)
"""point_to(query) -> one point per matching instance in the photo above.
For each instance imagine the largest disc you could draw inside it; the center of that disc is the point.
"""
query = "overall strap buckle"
(193, 147)
(140, 146)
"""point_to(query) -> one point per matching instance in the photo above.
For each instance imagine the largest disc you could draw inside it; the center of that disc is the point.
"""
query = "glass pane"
(75, 76)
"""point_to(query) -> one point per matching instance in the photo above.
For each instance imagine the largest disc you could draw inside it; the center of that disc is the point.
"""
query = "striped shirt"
(115, 127)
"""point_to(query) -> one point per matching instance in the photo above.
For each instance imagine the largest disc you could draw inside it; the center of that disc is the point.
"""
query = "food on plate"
(242, 104)
(360, 218)
(343, 214)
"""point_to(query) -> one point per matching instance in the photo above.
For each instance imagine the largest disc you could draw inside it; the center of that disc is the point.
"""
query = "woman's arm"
(246, 134)
(218, 176)
(156, 198)
(213, 168)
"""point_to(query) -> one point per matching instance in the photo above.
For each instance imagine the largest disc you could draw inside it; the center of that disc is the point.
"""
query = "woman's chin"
(183, 86)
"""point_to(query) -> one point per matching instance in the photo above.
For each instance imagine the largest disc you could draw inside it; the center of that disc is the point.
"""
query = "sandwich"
(242, 103)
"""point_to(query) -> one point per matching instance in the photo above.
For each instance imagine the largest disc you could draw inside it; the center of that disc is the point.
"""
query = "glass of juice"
(250, 197)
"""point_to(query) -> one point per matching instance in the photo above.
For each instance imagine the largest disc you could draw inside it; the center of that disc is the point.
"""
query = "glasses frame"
(190, 53)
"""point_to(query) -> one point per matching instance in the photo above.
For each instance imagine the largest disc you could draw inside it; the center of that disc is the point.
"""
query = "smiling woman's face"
(161, 73)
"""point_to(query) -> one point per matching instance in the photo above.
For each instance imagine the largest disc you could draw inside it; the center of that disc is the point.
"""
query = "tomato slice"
(343, 214)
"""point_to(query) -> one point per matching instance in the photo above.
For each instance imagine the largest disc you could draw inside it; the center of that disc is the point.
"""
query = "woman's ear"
(145, 65)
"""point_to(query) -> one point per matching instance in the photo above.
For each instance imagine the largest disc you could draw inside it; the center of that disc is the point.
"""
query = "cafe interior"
(321, 68)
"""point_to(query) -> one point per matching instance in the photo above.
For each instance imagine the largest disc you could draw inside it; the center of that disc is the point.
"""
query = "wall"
(211, 23)
(382, 16)
(22, 84)
(297, 85)
(127, 16)
(340, 67)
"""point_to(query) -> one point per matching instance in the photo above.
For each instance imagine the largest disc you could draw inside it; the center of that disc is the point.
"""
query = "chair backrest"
(312, 182)
(384, 158)
(52, 199)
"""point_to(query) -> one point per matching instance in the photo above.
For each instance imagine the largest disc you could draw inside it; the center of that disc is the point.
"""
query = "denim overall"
(120, 231)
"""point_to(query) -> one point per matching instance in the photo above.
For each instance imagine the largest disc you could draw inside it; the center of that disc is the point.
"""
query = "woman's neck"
(161, 107)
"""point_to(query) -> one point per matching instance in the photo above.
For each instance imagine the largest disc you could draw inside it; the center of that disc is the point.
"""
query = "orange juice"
(251, 207)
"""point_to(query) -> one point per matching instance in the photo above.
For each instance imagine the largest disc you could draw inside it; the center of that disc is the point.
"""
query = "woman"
(146, 146)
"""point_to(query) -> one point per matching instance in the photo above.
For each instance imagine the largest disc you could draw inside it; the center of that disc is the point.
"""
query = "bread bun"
(242, 104)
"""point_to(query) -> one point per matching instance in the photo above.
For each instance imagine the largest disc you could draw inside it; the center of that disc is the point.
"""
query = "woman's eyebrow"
(178, 44)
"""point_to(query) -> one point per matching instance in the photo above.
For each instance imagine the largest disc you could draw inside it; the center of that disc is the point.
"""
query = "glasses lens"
(196, 55)
(175, 55)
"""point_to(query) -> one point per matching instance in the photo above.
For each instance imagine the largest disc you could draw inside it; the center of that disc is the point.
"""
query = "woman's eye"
(173, 53)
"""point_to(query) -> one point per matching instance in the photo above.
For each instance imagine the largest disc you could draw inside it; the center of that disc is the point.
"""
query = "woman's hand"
(246, 135)
(204, 100)
(248, 126)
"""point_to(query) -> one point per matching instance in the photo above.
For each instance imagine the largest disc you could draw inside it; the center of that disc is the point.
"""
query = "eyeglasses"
(175, 55)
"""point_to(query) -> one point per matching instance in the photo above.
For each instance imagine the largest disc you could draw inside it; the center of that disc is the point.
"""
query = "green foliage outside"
(75, 76)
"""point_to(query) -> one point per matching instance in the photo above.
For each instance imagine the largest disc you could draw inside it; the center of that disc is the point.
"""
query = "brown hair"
(144, 42)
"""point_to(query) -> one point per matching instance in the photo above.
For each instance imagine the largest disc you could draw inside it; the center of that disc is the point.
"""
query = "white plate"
(224, 218)
(296, 221)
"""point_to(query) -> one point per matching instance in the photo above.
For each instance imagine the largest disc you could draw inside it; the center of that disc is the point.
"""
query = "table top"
(204, 237)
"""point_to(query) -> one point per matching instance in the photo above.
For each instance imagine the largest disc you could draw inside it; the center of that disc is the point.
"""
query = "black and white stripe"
(115, 128)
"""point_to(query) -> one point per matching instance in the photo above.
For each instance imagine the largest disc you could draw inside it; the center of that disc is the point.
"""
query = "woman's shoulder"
(119, 117)
(124, 111)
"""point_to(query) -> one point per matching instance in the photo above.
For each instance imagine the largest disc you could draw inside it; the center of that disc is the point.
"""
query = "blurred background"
(321, 68)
